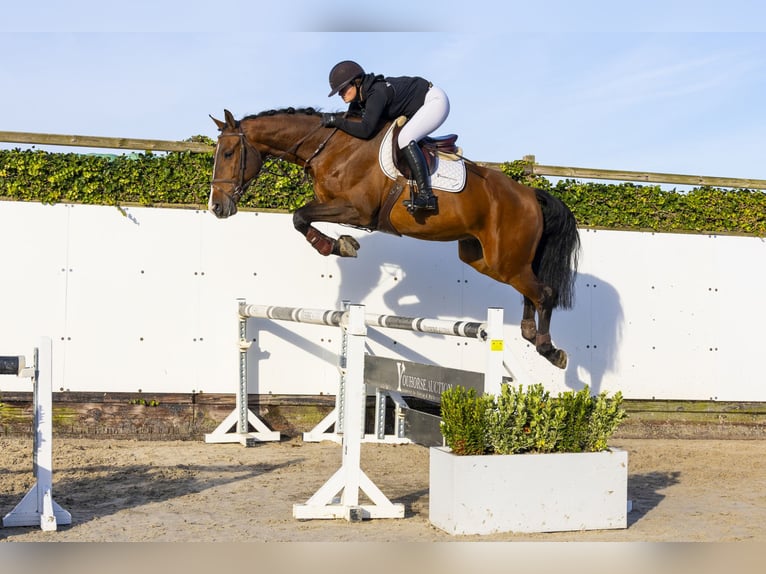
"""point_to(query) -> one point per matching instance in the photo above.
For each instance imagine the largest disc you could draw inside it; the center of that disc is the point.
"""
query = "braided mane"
(284, 111)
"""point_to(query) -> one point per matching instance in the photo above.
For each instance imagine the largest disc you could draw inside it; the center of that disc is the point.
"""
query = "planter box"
(528, 492)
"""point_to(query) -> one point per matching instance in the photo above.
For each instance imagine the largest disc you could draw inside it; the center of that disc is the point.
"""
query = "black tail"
(555, 262)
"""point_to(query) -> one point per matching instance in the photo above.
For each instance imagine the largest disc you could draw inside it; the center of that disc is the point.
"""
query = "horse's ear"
(230, 121)
(219, 123)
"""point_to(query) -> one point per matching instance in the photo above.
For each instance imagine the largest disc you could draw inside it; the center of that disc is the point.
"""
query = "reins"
(294, 149)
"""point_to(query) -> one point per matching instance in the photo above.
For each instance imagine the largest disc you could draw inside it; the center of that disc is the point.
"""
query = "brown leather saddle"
(432, 147)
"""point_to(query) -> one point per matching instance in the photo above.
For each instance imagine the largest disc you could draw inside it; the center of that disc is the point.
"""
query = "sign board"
(426, 382)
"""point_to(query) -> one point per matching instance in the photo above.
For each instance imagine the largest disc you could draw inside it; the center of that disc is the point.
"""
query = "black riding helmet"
(342, 74)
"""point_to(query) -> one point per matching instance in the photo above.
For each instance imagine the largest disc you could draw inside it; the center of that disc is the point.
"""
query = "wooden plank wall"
(146, 416)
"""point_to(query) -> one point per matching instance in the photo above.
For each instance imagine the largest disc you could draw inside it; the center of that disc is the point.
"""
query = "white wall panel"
(146, 299)
(32, 281)
(261, 256)
(133, 300)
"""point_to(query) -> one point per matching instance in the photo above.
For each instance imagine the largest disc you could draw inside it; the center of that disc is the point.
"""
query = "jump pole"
(38, 507)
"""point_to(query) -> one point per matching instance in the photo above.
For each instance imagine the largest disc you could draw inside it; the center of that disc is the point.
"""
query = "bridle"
(240, 186)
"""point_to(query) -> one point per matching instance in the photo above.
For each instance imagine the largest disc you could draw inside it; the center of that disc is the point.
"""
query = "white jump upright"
(38, 507)
(236, 426)
(339, 496)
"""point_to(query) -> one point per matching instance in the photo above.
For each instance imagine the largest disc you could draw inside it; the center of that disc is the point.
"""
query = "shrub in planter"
(521, 421)
(560, 485)
(463, 420)
(590, 420)
(528, 421)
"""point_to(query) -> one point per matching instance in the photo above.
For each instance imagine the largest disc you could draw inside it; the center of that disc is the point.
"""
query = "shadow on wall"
(415, 278)
(591, 332)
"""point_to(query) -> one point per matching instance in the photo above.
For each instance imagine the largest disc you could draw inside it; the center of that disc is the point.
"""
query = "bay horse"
(513, 233)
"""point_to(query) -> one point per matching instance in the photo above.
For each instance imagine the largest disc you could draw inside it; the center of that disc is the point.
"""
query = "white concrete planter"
(528, 492)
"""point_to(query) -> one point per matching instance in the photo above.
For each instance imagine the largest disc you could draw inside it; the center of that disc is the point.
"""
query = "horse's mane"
(284, 111)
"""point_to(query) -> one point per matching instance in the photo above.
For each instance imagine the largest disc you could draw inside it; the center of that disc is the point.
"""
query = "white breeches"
(430, 116)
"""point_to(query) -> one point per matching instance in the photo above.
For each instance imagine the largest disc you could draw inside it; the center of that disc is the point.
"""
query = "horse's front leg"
(333, 212)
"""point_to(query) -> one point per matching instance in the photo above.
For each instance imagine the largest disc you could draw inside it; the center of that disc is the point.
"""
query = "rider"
(379, 99)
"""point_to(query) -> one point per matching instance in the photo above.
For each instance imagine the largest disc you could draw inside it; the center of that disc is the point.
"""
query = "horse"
(516, 234)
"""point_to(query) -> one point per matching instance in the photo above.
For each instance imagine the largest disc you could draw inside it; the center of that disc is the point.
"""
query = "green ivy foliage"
(183, 179)
(145, 179)
(175, 178)
(630, 206)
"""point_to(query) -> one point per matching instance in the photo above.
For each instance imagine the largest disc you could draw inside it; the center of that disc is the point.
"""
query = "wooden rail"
(534, 168)
(648, 177)
(103, 142)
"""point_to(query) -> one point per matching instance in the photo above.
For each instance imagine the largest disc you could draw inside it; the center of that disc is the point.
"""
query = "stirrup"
(422, 202)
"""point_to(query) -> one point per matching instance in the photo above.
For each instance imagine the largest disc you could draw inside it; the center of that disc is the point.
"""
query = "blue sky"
(666, 86)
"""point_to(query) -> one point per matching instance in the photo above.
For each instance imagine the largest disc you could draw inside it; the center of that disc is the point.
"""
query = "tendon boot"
(424, 198)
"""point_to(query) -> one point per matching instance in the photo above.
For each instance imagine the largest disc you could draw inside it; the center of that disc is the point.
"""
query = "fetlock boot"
(424, 198)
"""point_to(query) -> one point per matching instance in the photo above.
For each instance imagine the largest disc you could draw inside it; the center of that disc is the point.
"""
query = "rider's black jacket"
(380, 100)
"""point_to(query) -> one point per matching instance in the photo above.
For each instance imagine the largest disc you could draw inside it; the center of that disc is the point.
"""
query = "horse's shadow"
(408, 275)
(592, 330)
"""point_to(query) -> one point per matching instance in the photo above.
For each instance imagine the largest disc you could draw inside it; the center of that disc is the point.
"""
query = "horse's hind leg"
(539, 335)
(543, 342)
(539, 298)
(528, 323)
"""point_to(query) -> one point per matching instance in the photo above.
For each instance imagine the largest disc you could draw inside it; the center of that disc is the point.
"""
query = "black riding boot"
(423, 199)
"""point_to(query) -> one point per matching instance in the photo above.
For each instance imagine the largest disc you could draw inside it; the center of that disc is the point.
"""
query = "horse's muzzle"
(222, 208)
(222, 213)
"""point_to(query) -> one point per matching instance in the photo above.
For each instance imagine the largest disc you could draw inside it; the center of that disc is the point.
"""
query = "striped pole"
(468, 329)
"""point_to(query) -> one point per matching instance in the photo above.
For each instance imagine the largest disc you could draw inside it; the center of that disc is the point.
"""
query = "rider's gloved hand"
(330, 120)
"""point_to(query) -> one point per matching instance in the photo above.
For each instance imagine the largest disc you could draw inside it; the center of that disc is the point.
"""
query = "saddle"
(432, 147)
(448, 176)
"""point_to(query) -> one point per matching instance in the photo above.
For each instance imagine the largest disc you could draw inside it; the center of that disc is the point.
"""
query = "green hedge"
(648, 207)
(183, 179)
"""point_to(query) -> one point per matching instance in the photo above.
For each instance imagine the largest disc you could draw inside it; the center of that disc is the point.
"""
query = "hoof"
(346, 246)
(559, 359)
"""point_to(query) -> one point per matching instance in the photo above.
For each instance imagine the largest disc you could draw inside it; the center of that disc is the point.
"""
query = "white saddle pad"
(449, 174)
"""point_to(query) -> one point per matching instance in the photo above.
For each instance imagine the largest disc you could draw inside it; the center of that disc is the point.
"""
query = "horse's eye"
(228, 154)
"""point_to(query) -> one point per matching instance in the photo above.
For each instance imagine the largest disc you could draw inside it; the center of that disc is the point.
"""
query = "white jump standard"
(339, 496)
(236, 426)
(38, 507)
